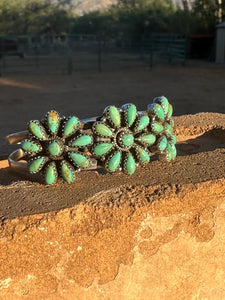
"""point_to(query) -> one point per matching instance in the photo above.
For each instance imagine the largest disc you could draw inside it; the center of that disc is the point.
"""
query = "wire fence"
(66, 54)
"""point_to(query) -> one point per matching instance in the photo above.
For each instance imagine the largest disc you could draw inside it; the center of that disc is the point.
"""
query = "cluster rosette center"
(119, 140)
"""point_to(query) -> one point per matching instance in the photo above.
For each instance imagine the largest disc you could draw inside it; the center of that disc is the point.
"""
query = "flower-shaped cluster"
(57, 146)
(121, 138)
(161, 124)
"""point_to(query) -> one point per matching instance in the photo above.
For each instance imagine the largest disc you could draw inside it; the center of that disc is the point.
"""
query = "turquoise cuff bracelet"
(119, 140)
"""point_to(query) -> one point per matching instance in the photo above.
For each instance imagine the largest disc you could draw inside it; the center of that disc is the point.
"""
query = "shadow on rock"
(209, 141)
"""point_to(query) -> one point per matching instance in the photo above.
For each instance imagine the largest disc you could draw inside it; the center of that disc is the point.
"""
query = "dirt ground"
(196, 87)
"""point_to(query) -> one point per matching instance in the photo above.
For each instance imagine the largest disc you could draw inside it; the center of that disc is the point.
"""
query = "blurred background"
(79, 56)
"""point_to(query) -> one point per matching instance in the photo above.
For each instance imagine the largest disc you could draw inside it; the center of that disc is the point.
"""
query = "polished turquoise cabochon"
(130, 165)
(71, 126)
(102, 148)
(53, 121)
(148, 139)
(30, 146)
(81, 141)
(66, 172)
(54, 148)
(143, 155)
(131, 112)
(35, 165)
(51, 173)
(114, 115)
(162, 143)
(156, 109)
(37, 130)
(102, 129)
(157, 127)
(80, 160)
(114, 162)
(143, 123)
(170, 111)
(163, 101)
(127, 139)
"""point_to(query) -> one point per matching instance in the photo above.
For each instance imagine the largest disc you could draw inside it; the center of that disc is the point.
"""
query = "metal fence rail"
(69, 53)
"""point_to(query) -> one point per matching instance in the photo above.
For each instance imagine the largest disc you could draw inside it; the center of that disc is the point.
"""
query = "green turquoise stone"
(169, 152)
(36, 164)
(54, 148)
(127, 140)
(114, 115)
(70, 126)
(162, 143)
(164, 103)
(170, 111)
(80, 160)
(148, 139)
(66, 172)
(37, 130)
(102, 148)
(51, 173)
(53, 121)
(174, 139)
(30, 147)
(143, 122)
(157, 110)
(143, 155)
(103, 130)
(114, 162)
(131, 114)
(171, 121)
(83, 140)
(156, 127)
(173, 151)
(168, 129)
(130, 165)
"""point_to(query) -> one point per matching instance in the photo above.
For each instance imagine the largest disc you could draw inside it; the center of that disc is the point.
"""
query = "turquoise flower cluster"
(120, 140)
(56, 147)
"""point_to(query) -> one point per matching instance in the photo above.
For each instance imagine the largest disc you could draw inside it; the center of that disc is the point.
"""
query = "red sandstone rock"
(159, 234)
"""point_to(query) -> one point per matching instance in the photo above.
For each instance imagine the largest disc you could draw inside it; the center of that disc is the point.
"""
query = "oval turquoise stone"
(114, 162)
(102, 148)
(170, 111)
(114, 115)
(54, 148)
(30, 147)
(174, 139)
(70, 126)
(157, 127)
(164, 103)
(169, 151)
(148, 139)
(162, 143)
(130, 165)
(171, 122)
(83, 140)
(143, 122)
(103, 130)
(53, 121)
(80, 160)
(36, 164)
(66, 172)
(131, 112)
(51, 173)
(173, 151)
(168, 129)
(37, 130)
(157, 110)
(127, 140)
(143, 155)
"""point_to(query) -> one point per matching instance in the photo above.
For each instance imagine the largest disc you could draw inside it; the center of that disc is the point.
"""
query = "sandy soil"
(197, 87)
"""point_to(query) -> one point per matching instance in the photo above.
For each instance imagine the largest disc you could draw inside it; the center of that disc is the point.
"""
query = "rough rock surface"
(159, 234)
